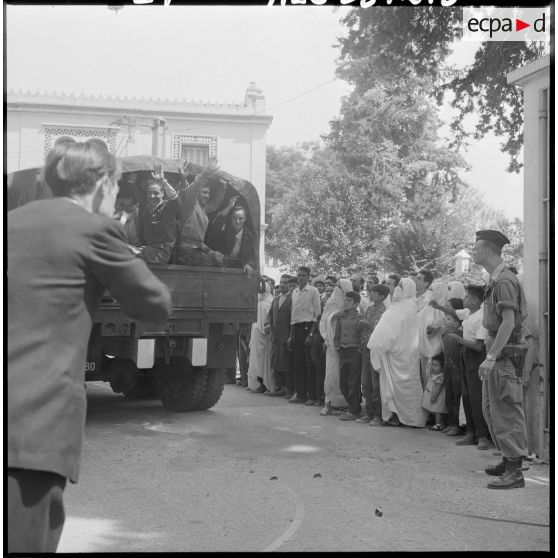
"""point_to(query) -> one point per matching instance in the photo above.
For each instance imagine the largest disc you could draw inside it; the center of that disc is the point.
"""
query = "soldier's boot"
(512, 478)
(496, 470)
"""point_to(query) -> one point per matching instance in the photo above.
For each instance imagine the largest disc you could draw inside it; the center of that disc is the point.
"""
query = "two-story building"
(194, 131)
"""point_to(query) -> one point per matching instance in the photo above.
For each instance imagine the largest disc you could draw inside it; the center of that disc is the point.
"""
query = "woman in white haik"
(259, 364)
(394, 352)
(332, 389)
(430, 342)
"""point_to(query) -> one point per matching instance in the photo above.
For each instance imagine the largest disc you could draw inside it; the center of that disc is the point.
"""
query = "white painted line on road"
(302, 449)
(536, 481)
(544, 479)
(293, 528)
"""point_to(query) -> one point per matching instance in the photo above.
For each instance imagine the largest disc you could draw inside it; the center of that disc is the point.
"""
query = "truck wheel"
(214, 388)
(181, 386)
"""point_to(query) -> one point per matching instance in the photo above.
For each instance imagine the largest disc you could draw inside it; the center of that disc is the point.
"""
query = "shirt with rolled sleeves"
(306, 305)
(503, 291)
(473, 329)
(60, 259)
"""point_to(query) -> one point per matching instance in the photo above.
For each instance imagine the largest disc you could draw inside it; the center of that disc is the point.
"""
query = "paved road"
(258, 474)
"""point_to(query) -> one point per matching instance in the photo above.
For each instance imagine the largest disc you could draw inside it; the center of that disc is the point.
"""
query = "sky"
(211, 53)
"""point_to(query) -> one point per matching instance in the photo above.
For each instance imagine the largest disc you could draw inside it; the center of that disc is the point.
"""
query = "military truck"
(181, 361)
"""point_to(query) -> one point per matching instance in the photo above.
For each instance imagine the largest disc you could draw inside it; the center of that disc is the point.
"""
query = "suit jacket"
(60, 258)
(280, 321)
(220, 237)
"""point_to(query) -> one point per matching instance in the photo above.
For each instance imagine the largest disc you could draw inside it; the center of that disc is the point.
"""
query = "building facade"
(195, 131)
(534, 78)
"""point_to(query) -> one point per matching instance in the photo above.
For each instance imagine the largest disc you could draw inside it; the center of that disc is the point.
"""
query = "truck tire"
(181, 386)
(214, 388)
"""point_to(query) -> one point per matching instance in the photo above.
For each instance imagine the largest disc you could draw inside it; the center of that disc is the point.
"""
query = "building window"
(80, 133)
(195, 153)
(194, 149)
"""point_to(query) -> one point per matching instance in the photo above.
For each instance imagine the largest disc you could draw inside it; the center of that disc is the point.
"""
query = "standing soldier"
(501, 371)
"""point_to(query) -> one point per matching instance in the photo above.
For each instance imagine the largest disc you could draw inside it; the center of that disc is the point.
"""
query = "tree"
(373, 51)
(323, 222)
(284, 167)
(484, 90)
(384, 187)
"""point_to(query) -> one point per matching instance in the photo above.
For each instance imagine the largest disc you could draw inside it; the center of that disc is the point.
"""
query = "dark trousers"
(318, 360)
(370, 381)
(303, 369)
(35, 510)
(471, 391)
(350, 368)
(289, 374)
(452, 385)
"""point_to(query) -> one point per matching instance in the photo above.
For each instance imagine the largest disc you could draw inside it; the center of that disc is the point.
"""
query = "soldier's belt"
(516, 353)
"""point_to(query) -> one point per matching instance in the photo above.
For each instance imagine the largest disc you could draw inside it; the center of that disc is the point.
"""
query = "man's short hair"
(475, 290)
(286, 277)
(382, 290)
(237, 208)
(456, 303)
(427, 276)
(305, 269)
(395, 278)
(355, 297)
(331, 278)
(373, 279)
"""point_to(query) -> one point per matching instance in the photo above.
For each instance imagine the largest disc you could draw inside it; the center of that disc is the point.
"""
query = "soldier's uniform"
(502, 390)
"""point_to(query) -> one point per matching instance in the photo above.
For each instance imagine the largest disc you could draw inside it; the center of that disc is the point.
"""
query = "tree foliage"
(384, 188)
(390, 42)
(484, 90)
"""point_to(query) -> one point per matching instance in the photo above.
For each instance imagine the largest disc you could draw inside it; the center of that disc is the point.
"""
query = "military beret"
(319, 279)
(496, 237)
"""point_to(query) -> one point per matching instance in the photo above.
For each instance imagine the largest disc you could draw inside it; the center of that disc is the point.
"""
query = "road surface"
(258, 474)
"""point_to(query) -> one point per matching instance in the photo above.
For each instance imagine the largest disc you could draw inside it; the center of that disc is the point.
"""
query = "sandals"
(436, 427)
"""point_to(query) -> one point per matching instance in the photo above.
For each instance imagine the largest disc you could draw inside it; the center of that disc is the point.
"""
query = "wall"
(535, 77)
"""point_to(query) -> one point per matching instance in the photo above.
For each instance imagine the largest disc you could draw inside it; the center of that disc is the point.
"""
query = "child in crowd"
(347, 341)
(451, 349)
(433, 399)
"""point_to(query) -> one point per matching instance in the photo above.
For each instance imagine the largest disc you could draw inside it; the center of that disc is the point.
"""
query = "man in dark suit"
(279, 324)
(61, 255)
(235, 240)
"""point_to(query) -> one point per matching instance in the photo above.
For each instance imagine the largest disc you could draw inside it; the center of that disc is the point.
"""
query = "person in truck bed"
(191, 248)
(157, 219)
(229, 235)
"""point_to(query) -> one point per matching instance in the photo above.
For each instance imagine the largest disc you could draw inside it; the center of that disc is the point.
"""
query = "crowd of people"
(407, 351)
(411, 346)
